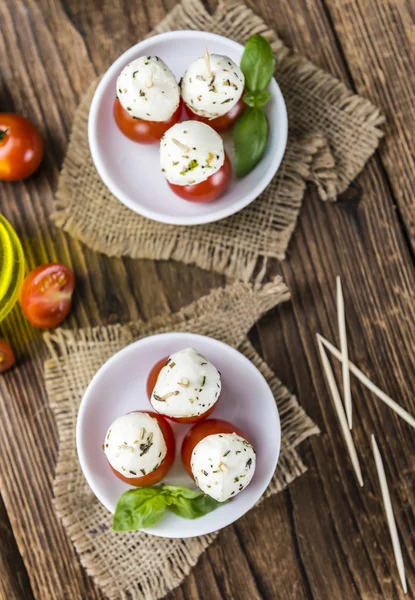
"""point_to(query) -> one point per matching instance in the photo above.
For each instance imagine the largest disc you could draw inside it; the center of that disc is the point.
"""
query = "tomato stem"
(3, 134)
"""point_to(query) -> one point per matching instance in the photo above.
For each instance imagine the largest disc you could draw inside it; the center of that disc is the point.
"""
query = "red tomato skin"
(208, 190)
(140, 131)
(151, 383)
(153, 376)
(7, 358)
(195, 419)
(160, 473)
(54, 280)
(21, 149)
(199, 432)
(223, 123)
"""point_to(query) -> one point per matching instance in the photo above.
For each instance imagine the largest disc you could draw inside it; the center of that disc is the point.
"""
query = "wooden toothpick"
(404, 414)
(389, 514)
(150, 82)
(180, 145)
(207, 63)
(338, 405)
(341, 319)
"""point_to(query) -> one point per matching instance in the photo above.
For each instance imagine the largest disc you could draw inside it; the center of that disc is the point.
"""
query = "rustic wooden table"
(324, 538)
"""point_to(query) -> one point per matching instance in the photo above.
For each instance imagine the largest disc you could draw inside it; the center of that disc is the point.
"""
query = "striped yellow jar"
(11, 267)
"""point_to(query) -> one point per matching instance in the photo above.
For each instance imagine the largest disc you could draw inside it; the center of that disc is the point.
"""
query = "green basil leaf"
(178, 490)
(256, 98)
(249, 137)
(257, 63)
(139, 508)
(193, 509)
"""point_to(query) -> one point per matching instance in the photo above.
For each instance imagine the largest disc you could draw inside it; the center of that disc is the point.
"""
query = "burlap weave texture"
(332, 133)
(136, 565)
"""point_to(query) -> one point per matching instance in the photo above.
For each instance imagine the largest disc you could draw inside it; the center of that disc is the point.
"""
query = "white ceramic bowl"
(120, 387)
(131, 171)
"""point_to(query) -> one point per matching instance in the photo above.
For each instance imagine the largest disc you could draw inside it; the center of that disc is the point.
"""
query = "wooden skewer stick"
(371, 386)
(389, 514)
(338, 405)
(180, 145)
(207, 63)
(341, 319)
(150, 81)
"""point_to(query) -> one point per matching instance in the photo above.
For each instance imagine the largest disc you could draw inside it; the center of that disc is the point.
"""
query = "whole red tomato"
(164, 467)
(46, 295)
(6, 356)
(21, 147)
(208, 190)
(151, 384)
(198, 432)
(138, 130)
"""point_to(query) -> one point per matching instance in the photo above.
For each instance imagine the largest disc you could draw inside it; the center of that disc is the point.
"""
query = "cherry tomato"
(21, 147)
(223, 123)
(207, 190)
(138, 130)
(6, 356)
(167, 463)
(199, 432)
(151, 384)
(153, 375)
(46, 295)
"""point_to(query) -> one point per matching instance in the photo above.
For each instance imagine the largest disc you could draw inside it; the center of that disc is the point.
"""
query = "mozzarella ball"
(190, 152)
(223, 465)
(148, 90)
(134, 444)
(212, 94)
(187, 386)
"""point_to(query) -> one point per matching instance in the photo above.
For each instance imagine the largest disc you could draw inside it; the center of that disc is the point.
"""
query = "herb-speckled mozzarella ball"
(148, 90)
(190, 152)
(187, 386)
(135, 445)
(212, 95)
(223, 465)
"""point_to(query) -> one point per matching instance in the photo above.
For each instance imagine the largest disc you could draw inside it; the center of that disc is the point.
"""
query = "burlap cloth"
(332, 133)
(136, 565)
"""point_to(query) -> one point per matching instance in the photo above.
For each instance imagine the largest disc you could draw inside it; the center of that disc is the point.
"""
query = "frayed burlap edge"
(309, 157)
(74, 357)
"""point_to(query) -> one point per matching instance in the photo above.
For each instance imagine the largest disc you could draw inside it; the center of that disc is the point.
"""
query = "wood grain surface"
(324, 538)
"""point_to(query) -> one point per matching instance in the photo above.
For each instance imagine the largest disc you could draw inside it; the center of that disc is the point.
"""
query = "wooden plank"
(14, 582)
(377, 40)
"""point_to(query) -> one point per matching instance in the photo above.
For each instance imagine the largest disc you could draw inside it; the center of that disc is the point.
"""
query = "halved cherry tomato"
(138, 130)
(7, 359)
(46, 295)
(199, 432)
(151, 384)
(167, 463)
(223, 123)
(21, 147)
(207, 190)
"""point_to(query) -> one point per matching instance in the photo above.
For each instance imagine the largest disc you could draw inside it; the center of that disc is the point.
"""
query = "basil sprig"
(250, 133)
(143, 507)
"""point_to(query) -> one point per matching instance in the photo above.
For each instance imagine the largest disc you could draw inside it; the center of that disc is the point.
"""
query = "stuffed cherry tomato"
(148, 100)
(140, 448)
(7, 359)
(46, 295)
(212, 89)
(223, 123)
(186, 387)
(21, 147)
(219, 457)
(193, 159)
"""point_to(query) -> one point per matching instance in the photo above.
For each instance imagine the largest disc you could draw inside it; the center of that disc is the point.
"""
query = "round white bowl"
(119, 387)
(132, 172)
